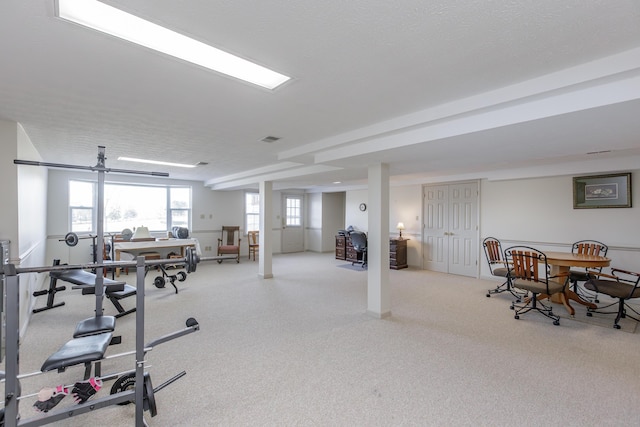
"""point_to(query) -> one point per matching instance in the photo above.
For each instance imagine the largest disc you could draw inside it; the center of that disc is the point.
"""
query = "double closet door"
(451, 228)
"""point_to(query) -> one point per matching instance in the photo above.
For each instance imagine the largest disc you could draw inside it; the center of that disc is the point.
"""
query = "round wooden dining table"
(561, 262)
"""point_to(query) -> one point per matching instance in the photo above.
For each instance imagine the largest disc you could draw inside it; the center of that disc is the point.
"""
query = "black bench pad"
(95, 325)
(84, 278)
(77, 351)
(126, 291)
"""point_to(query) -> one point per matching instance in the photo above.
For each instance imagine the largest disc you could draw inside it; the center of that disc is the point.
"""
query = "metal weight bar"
(190, 261)
(71, 239)
(99, 167)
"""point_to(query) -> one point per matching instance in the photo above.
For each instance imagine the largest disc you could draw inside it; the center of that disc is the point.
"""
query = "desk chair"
(359, 243)
(227, 244)
(253, 241)
(588, 247)
(498, 267)
(620, 284)
(530, 272)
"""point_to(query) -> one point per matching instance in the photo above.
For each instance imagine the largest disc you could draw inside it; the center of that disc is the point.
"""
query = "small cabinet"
(341, 247)
(398, 254)
(353, 256)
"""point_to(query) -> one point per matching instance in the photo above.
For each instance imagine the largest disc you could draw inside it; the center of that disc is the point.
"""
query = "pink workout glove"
(48, 398)
(84, 390)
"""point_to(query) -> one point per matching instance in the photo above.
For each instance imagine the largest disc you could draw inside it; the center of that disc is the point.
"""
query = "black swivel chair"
(359, 243)
(622, 285)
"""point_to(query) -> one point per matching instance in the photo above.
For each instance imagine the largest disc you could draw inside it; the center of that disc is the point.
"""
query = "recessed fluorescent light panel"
(108, 19)
(155, 162)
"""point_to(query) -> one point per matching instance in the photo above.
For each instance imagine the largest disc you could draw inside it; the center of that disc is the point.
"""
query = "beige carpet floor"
(300, 350)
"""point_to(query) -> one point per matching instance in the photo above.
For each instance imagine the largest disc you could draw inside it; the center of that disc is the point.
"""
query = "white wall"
(313, 220)
(22, 217)
(9, 180)
(325, 216)
(537, 212)
(333, 213)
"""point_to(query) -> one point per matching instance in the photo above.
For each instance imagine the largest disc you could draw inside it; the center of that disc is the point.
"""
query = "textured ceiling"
(466, 89)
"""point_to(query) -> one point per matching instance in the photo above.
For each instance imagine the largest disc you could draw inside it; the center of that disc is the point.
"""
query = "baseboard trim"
(379, 315)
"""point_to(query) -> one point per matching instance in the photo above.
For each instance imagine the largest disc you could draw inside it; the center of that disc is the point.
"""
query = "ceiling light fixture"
(109, 20)
(155, 162)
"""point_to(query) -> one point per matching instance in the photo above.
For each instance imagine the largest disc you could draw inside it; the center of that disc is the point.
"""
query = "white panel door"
(451, 228)
(292, 223)
(436, 227)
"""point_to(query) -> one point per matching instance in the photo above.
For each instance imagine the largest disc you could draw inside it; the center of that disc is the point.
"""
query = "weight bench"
(113, 290)
(83, 350)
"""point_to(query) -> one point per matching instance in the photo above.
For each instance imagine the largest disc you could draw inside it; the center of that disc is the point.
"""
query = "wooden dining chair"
(587, 247)
(530, 272)
(253, 239)
(229, 242)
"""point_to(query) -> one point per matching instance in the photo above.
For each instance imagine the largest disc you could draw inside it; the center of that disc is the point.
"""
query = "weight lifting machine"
(133, 386)
(10, 273)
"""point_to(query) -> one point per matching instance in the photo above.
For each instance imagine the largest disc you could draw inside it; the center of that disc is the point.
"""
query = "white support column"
(378, 289)
(265, 251)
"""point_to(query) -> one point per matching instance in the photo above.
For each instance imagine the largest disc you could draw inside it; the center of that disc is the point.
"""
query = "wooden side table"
(398, 254)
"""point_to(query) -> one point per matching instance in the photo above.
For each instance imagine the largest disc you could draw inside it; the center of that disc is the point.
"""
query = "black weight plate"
(71, 239)
(159, 282)
(124, 383)
(149, 396)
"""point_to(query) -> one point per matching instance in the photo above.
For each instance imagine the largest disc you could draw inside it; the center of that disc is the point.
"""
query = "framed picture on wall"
(602, 191)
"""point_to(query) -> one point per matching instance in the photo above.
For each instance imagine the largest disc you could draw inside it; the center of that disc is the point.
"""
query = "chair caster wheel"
(512, 308)
(488, 295)
(556, 322)
(551, 313)
(589, 314)
(616, 326)
(597, 301)
(182, 276)
(219, 261)
(516, 317)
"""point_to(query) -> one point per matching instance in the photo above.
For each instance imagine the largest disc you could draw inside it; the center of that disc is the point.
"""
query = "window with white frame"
(293, 212)
(252, 211)
(129, 205)
(81, 206)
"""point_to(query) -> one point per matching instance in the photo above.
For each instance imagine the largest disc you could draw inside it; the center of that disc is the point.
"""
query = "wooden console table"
(397, 252)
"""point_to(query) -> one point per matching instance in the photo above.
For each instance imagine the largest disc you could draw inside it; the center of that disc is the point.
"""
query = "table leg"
(569, 295)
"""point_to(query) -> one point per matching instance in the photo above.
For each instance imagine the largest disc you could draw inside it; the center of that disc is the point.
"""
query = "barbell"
(190, 261)
(71, 238)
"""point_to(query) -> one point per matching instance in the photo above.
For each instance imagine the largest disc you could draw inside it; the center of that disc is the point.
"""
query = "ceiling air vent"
(269, 139)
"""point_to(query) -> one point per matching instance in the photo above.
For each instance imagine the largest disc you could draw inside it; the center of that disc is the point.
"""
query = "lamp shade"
(141, 233)
(400, 226)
